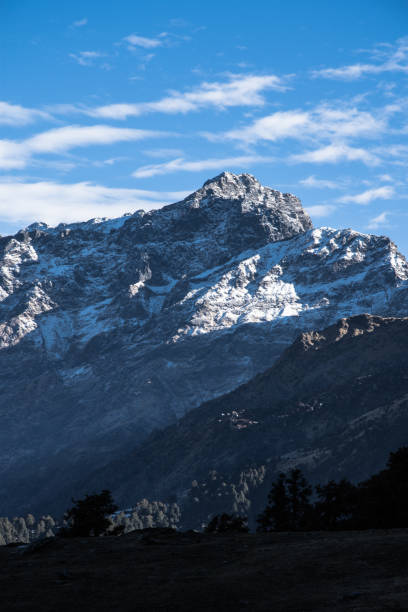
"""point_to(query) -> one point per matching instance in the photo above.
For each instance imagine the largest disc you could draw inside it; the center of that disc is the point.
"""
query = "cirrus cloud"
(86, 58)
(390, 58)
(74, 202)
(142, 41)
(180, 164)
(380, 193)
(79, 23)
(312, 181)
(380, 221)
(337, 152)
(239, 90)
(14, 114)
(323, 122)
(15, 154)
(320, 210)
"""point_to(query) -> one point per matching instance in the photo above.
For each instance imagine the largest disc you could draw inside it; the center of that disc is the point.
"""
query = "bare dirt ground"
(154, 570)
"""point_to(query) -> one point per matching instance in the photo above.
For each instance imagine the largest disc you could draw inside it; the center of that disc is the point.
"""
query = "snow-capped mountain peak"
(110, 328)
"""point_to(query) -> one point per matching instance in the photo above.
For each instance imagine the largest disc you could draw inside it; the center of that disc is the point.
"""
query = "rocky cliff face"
(111, 328)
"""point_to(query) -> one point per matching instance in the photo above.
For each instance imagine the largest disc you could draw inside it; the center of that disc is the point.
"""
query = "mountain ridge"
(109, 330)
(332, 397)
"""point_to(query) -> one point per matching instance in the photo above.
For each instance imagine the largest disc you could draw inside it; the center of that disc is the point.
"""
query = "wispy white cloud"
(387, 88)
(135, 43)
(380, 221)
(162, 152)
(166, 196)
(323, 122)
(337, 152)
(59, 140)
(320, 210)
(180, 164)
(179, 22)
(79, 23)
(86, 58)
(380, 193)
(145, 60)
(239, 90)
(312, 181)
(142, 41)
(386, 178)
(12, 155)
(13, 114)
(279, 125)
(319, 125)
(74, 202)
(348, 73)
(69, 137)
(397, 152)
(393, 58)
(108, 162)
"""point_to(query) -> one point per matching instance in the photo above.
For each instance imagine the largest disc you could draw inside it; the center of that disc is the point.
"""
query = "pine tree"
(383, 498)
(275, 517)
(336, 505)
(90, 516)
(288, 506)
(299, 492)
(227, 523)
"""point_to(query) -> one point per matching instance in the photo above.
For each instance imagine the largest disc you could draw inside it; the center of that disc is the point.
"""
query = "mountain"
(112, 328)
(334, 404)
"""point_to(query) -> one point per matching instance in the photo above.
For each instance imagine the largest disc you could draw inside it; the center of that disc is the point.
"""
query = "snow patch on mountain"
(284, 279)
(78, 269)
(111, 328)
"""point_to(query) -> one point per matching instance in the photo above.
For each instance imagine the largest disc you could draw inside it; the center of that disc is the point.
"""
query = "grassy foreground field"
(159, 570)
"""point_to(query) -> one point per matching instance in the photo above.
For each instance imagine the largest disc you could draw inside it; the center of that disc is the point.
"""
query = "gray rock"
(112, 328)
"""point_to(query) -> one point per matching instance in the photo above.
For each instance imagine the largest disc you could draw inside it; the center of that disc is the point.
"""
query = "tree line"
(293, 504)
(381, 502)
(26, 529)
(220, 506)
(95, 514)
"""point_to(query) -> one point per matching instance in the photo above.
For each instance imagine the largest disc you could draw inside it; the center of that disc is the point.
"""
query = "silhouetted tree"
(227, 523)
(299, 491)
(288, 508)
(90, 516)
(276, 515)
(381, 502)
(383, 498)
(336, 505)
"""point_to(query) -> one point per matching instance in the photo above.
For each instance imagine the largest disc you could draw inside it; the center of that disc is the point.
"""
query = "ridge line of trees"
(381, 502)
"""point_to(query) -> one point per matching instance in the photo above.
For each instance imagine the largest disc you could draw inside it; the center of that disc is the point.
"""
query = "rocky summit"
(112, 328)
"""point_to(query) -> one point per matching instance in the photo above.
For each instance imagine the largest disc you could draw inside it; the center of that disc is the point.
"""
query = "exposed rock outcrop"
(112, 328)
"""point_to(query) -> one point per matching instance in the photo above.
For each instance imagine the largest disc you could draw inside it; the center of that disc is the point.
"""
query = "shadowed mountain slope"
(334, 404)
(112, 328)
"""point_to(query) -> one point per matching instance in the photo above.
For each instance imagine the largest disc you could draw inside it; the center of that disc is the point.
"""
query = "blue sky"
(107, 107)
